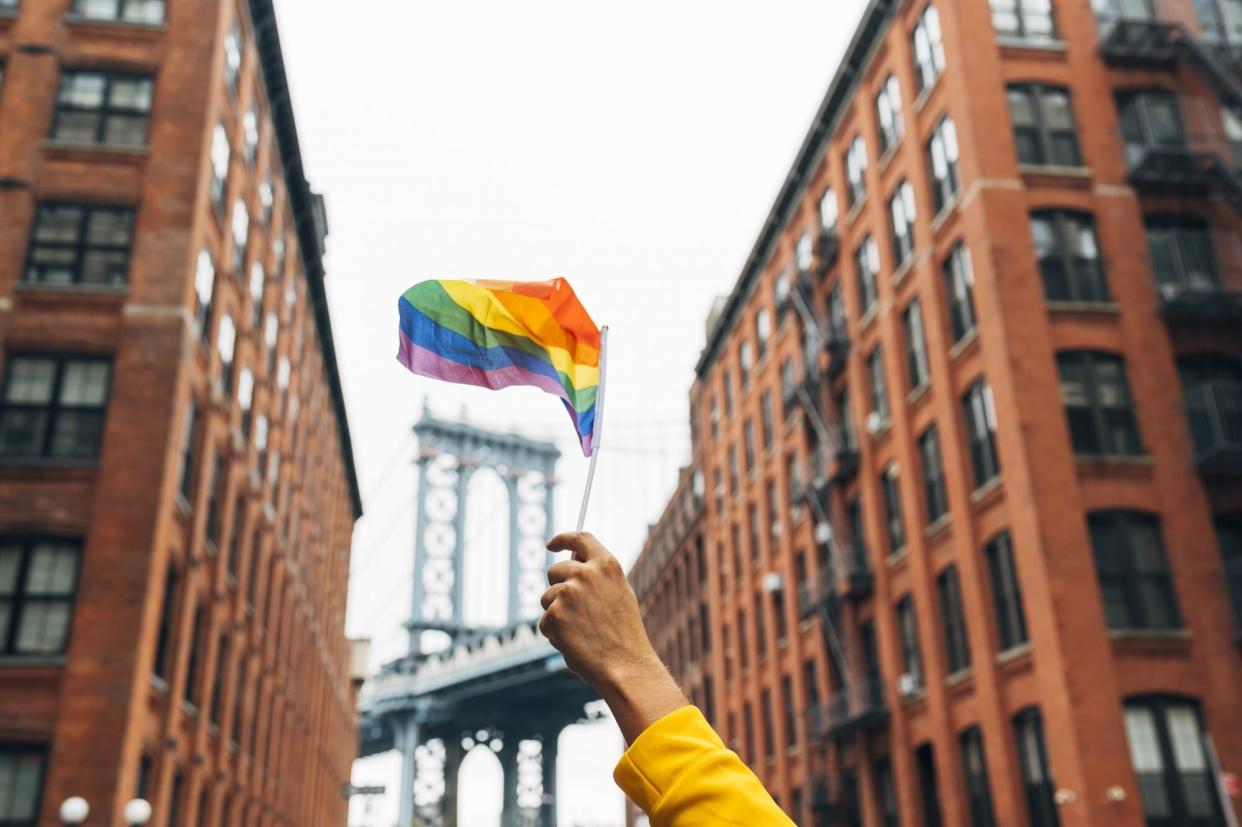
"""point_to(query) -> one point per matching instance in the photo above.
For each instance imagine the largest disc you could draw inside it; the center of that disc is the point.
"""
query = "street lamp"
(137, 812)
(74, 810)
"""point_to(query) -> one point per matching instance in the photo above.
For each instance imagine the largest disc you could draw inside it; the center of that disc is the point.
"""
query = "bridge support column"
(509, 816)
(453, 755)
(547, 757)
(407, 734)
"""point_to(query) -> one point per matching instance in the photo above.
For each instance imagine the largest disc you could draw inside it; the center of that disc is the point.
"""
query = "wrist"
(639, 691)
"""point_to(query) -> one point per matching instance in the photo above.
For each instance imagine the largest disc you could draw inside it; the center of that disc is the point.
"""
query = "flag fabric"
(496, 334)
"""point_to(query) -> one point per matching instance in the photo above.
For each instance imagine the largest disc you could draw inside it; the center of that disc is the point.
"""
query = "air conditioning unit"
(875, 423)
(823, 533)
(773, 582)
(909, 685)
(778, 529)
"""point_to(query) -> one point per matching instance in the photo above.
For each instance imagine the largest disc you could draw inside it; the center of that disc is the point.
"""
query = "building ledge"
(988, 493)
(1152, 641)
(1015, 658)
(1018, 47)
(946, 212)
(1054, 175)
(95, 153)
(1093, 308)
(898, 559)
(961, 681)
(93, 293)
(35, 663)
(939, 529)
(113, 28)
(46, 468)
(918, 394)
(965, 344)
(852, 215)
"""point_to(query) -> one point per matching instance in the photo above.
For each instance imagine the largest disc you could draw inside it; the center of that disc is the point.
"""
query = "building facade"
(177, 492)
(970, 427)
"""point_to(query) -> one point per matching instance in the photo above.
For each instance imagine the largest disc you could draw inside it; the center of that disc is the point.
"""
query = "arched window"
(1167, 751)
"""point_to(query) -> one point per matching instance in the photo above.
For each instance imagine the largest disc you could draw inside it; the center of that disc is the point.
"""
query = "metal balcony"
(859, 579)
(859, 706)
(1137, 42)
(1214, 410)
(844, 461)
(1195, 304)
(837, 346)
(827, 249)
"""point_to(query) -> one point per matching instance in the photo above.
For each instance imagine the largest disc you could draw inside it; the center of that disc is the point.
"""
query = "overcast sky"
(633, 148)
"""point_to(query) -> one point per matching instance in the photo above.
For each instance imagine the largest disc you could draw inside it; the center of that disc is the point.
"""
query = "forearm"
(640, 691)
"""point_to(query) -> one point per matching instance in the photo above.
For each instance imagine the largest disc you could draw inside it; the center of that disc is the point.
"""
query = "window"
(959, 278)
(168, 612)
(109, 109)
(1024, 20)
(838, 327)
(791, 711)
(53, 407)
(879, 386)
(80, 244)
(1150, 122)
(748, 441)
(980, 413)
(8, 7)
(1130, 561)
(217, 685)
(828, 209)
(857, 539)
(929, 789)
(258, 278)
(746, 358)
(867, 258)
(804, 257)
(1069, 258)
(855, 170)
(1182, 255)
(928, 50)
(232, 58)
(215, 503)
(1229, 538)
(942, 153)
(1041, 806)
(901, 216)
(748, 727)
(241, 235)
(21, 784)
(727, 382)
(1097, 403)
(934, 492)
(888, 114)
(1043, 125)
(38, 579)
(187, 451)
(204, 287)
(1212, 392)
(1220, 20)
(733, 472)
(975, 770)
(956, 640)
(192, 667)
(267, 199)
(250, 130)
(127, 11)
(221, 152)
(1006, 592)
(226, 342)
(916, 346)
(1176, 782)
(769, 739)
(892, 509)
(886, 789)
(245, 398)
(743, 653)
(911, 661)
(763, 331)
(765, 413)
(176, 799)
(761, 627)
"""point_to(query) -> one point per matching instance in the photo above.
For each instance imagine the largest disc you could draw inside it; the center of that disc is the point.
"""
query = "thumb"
(584, 546)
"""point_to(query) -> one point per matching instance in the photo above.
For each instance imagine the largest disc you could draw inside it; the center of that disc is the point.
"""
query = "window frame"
(1022, 33)
(1041, 807)
(856, 163)
(929, 66)
(902, 213)
(1007, 605)
(894, 521)
(979, 409)
(54, 408)
(1103, 438)
(917, 359)
(80, 246)
(1174, 777)
(867, 264)
(19, 599)
(908, 640)
(953, 620)
(1228, 530)
(935, 492)
(1178, 234)
(943, 148)
(975, 774)
(1086, 277)
(1126, 575)
(26, 748)
(890, 122)
(105, 110)
(959, 282)
(877, 384)
(1044, 136)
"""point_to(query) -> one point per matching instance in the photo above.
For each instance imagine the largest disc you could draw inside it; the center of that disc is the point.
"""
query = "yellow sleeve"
(682, 775)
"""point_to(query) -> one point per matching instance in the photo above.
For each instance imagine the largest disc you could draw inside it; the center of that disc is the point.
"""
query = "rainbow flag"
(496, 334)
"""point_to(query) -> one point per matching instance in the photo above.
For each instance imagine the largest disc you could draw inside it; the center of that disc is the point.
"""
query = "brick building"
(971, 430)
(177, 491)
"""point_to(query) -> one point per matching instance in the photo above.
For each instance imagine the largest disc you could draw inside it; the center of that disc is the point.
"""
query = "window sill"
(900, 274)
(159, 684)
(1029, 47)
(968, 342)
(1152, 641)
(1015, 657)
(39, 466)
(918, 394)
(99, 293)
(852, 215)
(885, 427)
(988, 493)
(112, 27)
(946, 212)
(1114, 465)
(1094, 308)
(960, 681)
(32, 661)
(897, 560)
(938, 528)
(869, 317)
(920, 102)
(183, 506)
(72, 151)
(887, 158)
(1052, 173)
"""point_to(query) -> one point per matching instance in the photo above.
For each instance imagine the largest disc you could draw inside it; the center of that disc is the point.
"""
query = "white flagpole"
(597, 429)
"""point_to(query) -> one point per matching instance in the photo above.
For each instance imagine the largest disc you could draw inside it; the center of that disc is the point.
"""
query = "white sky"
(634, 149)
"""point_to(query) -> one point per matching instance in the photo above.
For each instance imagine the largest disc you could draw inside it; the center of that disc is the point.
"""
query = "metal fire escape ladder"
(836, 643)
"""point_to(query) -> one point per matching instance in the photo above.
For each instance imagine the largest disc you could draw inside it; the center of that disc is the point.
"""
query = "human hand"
(592, 618)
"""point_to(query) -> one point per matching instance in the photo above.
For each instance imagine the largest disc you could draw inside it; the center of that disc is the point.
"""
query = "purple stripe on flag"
(428, 363)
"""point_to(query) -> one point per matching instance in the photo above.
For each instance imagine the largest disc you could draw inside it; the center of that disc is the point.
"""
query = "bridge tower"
(462, 686)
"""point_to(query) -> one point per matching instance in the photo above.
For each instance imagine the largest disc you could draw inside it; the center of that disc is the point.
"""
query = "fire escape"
(1182, 146)
(855, 700)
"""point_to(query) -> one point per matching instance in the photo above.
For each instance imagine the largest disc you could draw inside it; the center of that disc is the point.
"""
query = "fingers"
(549, 597)
(562, 571)
(584, 546)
